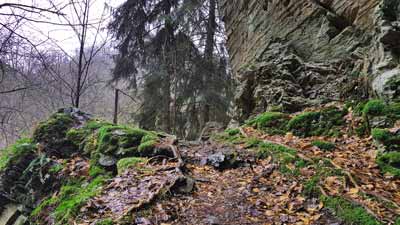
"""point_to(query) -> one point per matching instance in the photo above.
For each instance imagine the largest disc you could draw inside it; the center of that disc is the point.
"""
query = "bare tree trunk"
(170, 68)
(84, 25)
(116, 100)
(208, 54)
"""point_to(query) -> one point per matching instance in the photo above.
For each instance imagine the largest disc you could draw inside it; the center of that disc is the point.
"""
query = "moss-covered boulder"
(111, 143)
(325, 122)
(52, 133)
(83, 136)
(270, 122)
(121, 141)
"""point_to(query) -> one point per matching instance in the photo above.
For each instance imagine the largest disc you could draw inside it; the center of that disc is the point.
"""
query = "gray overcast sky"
(61, 36)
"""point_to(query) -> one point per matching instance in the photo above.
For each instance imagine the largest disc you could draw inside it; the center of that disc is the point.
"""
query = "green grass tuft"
(56, 168)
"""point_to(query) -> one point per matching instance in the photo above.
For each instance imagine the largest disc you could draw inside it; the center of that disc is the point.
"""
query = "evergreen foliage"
(172, 54)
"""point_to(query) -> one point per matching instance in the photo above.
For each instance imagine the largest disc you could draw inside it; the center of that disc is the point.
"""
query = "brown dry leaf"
(353, 191)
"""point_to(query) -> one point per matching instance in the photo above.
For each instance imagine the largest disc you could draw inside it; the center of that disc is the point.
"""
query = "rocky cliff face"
(290, 54)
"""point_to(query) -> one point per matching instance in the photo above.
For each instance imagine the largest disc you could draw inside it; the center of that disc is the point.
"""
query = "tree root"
(144, 202)
(167, 186)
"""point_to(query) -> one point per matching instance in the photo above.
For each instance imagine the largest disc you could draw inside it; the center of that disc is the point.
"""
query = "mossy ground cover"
(131, 162)
(232, 131)
(229, 136)
(105, 222)
(386, 113)
(270, 122)
(326, 122)
(375, 107)
(289, 162)
(350, 213)
(13, 152)
(55, 127)
(324, 145)
(391, 140)
(389, 163)
(70, 199)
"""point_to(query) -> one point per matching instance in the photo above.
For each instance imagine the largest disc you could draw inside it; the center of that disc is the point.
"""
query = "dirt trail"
(253, 193)
(250, 190)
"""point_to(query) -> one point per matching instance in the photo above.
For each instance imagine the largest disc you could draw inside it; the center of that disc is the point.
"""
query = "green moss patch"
(229, 137)
(105, 222)
(55, 127)
(389, 163)
(324, 145)
(390, 140)
(56, 168)
(126, 163)
(77, 136)
(378, 114)
(14, 152)
(70, 199)
(286, 157)
(252, 142)
(350, 213)
(119, 140)
(52, 135)
(270, 122)
(232, 132)
(374, 107)
(326, 122)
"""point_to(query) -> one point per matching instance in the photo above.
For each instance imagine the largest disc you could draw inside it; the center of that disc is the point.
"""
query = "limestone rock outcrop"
(290, 54)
